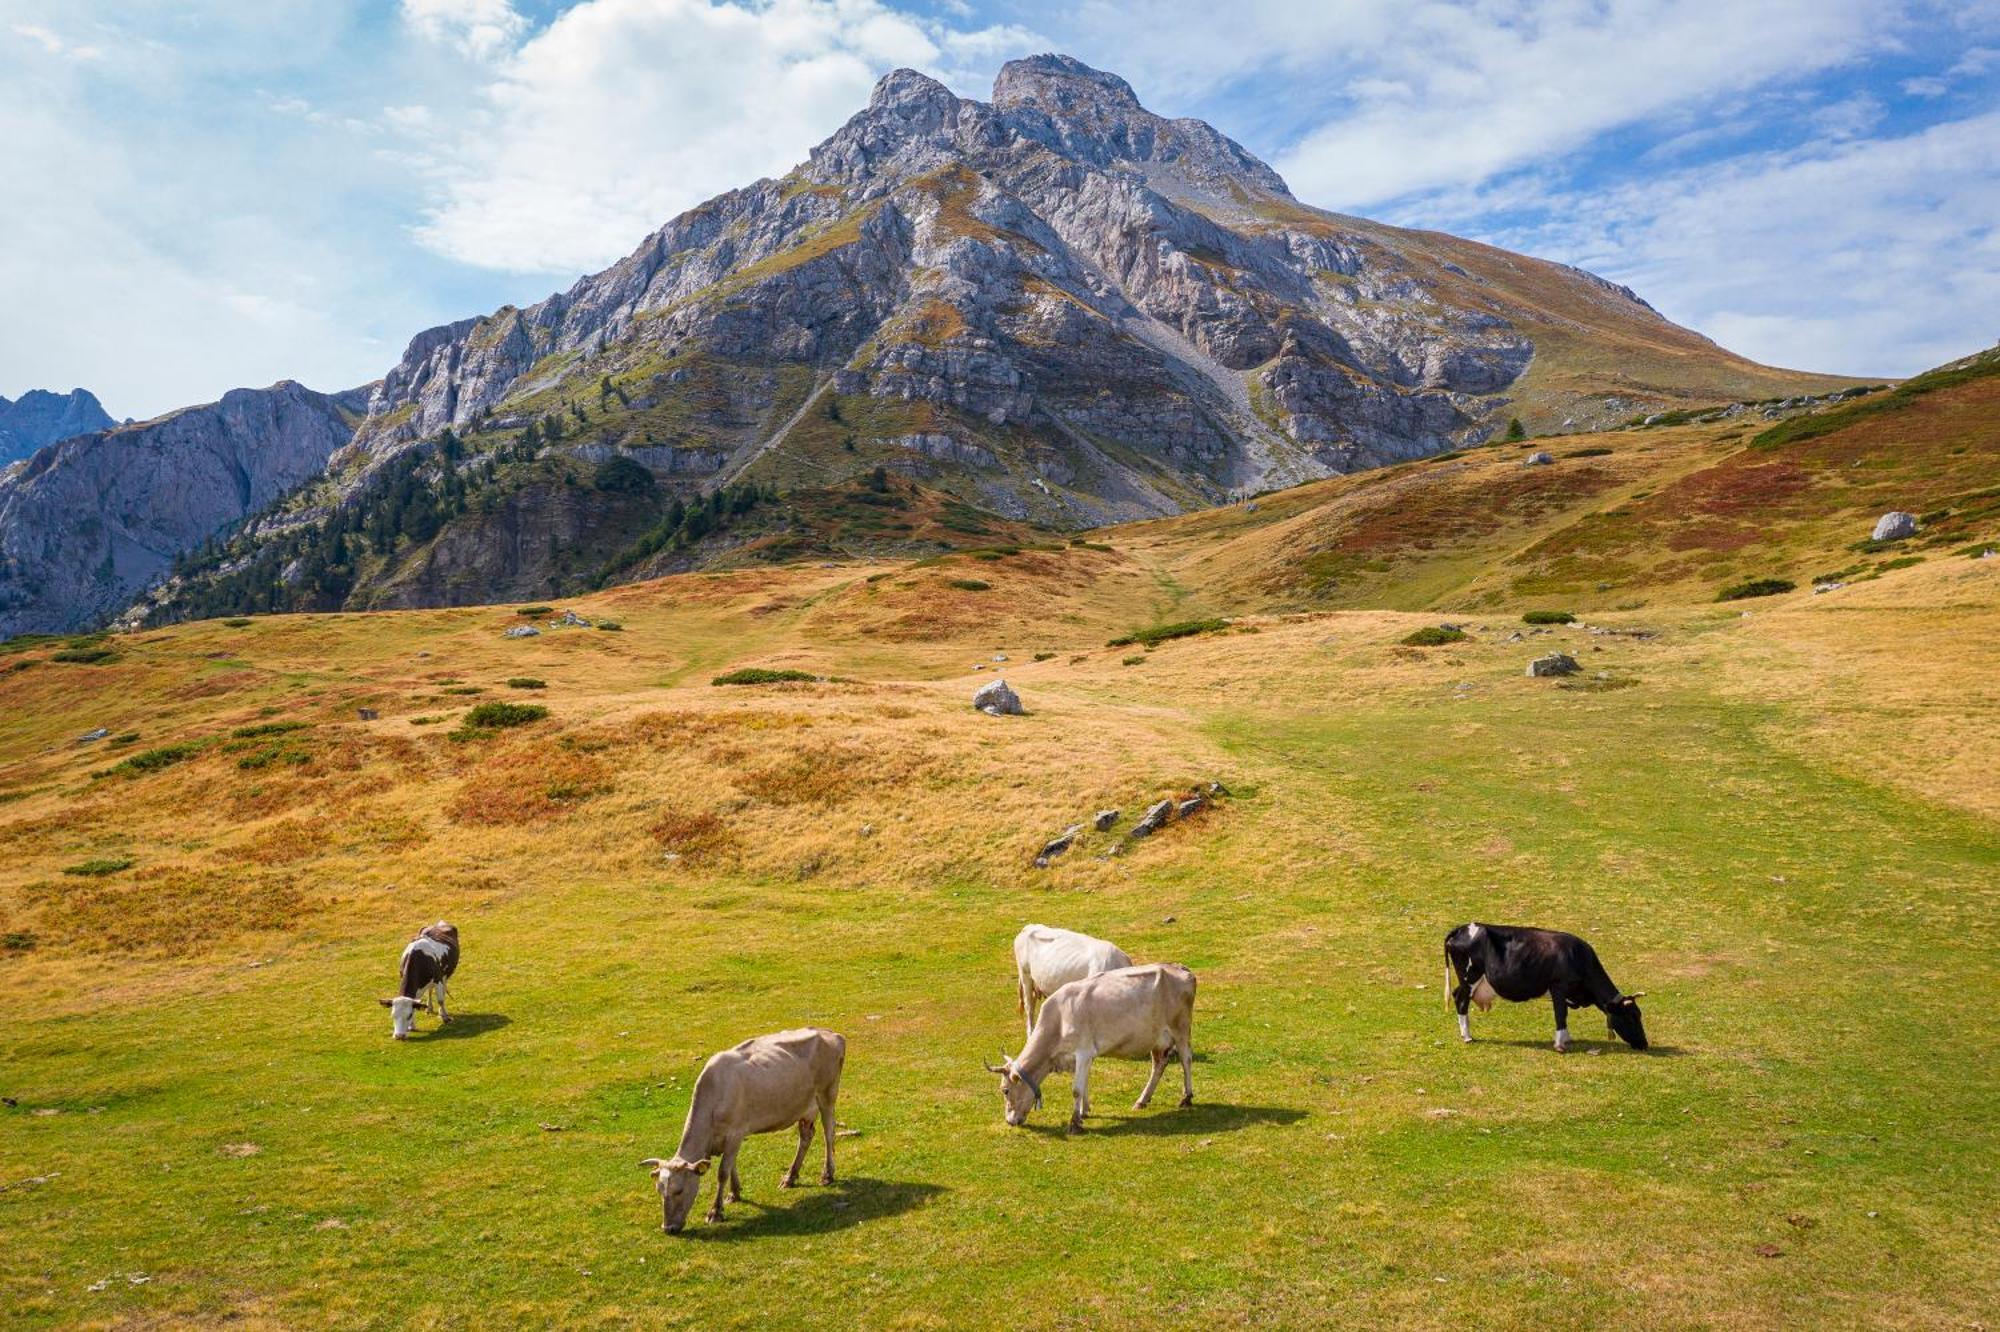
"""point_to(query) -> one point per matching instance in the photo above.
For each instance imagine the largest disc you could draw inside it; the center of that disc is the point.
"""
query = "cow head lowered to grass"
(679, 1183)
(428, 961)
(1517, 962)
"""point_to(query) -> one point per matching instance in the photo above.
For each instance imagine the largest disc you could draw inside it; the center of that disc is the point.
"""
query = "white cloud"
(478, 29)
(622, 113)
(1873, 257)
(54, 43)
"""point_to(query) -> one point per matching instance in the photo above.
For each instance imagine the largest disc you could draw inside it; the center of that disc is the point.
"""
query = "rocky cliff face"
(1056, 306)
(89, 522)
(40, 418)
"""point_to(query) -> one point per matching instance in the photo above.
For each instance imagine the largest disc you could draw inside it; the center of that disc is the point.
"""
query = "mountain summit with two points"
(1056, 307)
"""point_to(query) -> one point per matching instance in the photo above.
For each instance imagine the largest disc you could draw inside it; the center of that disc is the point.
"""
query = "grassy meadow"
(1776, 818)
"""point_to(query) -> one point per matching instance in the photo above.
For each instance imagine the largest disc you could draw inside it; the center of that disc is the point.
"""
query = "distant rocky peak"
(1061, 85)
(1095, 117)
(907, 88)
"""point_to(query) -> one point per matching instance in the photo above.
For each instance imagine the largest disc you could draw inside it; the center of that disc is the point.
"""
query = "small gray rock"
(1056, 845)
(523, 631)
(996, 700)
(1154, 819)
(1191, 806)
(1105, 818)
(368, 714)
(1556, 663)
(1895, 526)
(569, 619)
(89, 736)
(1537, 459)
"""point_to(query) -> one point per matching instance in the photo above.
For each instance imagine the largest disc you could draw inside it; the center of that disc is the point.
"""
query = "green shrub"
(610, 626)
(536, 611)
(1548, 617)
(1044, 656)
(1902, 563)
(1433, 635)
(1132, 660)
(971, 585)
(464, 690)
(17, 941)
(755, 675)
(425, 721)
(495, 716)
(622, 475)
(99, 867)
(237, 622)
(154, 760)
(1515, 430)
(270, 754)
(85, 656)
(526, 682)
(1755, 587)
(1588, 453)
(1162, 633)
(270, 728)
(130, 737)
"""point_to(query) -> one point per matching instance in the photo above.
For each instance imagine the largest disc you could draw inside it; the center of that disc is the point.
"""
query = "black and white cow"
(427, 963)
(1516, 962)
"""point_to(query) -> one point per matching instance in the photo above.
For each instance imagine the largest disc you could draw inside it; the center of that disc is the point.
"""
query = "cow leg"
(1461, 999)
(1027, 1002)
(1079, 1097)
(826, 1131)
(735, 1185)
(798, 1157)
(1562, 1025)
(443, 1016)
(1185, 1045)
(1159, 1067)
(722, 1177)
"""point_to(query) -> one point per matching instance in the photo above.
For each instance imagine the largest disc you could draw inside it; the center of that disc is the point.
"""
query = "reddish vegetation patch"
(693, 835)
(166, 912)
(529, 786)
(1737, 488)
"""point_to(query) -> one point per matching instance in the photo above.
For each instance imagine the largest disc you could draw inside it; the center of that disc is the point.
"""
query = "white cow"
(1046, 959)
(1131, 1013)
(765, 1084)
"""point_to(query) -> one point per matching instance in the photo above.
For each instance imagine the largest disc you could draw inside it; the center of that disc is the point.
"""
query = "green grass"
(1434, 635)
(263, 729)
(1816, 1087)
(85, 656)
(158, 759)
(1548, 617)
(1801, 428)
(970, 585)
(526, 682)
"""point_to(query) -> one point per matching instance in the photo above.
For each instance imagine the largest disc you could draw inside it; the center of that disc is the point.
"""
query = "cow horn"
(991, 1068)
(652, 1163)
(1636, 994)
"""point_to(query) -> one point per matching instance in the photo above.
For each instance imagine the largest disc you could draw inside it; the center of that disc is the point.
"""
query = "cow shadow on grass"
(463, 1025)
(1582, 1045)
(817, 1209)
(1201, 1117)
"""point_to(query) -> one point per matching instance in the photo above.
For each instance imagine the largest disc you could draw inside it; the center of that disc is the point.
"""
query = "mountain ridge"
(1056, 307)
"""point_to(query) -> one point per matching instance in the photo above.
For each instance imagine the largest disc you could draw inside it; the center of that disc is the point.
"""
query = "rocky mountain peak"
(908, 88)
(1061, 85)
(40, 418)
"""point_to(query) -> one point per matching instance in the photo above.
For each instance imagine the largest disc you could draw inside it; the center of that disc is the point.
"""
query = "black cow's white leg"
(1562, 1026)
(443, 1015)
(1461, 999)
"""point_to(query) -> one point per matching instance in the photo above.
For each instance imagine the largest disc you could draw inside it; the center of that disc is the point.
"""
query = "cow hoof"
(826, 1177)
(788, 1182)
(1187, 1101)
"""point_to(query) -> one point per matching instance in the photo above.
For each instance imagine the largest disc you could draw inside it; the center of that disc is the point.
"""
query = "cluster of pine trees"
(688, 521)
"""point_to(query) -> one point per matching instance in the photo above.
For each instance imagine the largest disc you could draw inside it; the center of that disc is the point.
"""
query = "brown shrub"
(167, 912)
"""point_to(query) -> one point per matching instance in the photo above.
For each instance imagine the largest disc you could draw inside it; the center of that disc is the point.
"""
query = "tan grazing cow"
(1046, 959)
(1131, 1013)
(765, 1084)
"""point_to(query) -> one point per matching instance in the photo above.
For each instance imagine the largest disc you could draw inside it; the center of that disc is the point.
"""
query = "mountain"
(88, 523)
(40, 418)
(1055, 307)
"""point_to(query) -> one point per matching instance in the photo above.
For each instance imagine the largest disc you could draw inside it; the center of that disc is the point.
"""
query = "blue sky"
(207, 195)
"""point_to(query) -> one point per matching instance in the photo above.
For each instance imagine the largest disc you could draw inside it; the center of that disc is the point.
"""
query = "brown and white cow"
(427, 963)
(765, 1084)
(1047, 958)
(1144, 1012)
